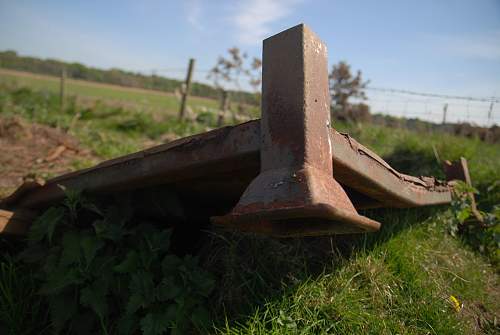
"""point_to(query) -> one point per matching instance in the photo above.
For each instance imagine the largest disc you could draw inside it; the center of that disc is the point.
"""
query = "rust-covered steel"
(288, 174)
(296, 171)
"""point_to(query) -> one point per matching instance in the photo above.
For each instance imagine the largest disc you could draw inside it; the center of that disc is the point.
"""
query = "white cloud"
(254, 18)
(481, 46)
(194, 13)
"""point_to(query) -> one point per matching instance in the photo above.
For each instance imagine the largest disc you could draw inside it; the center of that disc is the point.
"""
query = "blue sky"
(449, 47)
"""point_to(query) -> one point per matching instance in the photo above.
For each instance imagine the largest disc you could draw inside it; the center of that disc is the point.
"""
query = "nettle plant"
(100, 272)
(483, 235)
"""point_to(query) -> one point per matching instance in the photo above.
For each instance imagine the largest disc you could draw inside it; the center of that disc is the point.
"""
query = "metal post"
(185, 93)
(296, 173)
(62, 88)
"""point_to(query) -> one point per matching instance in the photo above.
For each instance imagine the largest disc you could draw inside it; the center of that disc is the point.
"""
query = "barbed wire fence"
(426, 106)
(436, 108)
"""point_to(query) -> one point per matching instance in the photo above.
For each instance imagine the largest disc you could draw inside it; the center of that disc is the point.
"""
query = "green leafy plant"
(102, 272)
(483, 235)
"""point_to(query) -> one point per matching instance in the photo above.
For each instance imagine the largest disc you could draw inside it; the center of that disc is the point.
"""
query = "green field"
(423, 273)
(139, 98)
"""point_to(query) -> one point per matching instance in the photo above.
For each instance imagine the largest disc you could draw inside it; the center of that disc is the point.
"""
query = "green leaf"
(199, 280)
(167, 289)
(60, 279)
(147, 256)
(135, 302)
(127, 324)
(94, 297)
(170, 264)
(158, 241)
(464, 214)
(203, 282)
(142, 282)
(62, 308)
(52, 260)
(44, 225)
(72, 200)
(158, 322)
(200, 317)
(71, 248)
(143, 292)
(129, 264)
(109, 231)
(56, 217)
(90, 245)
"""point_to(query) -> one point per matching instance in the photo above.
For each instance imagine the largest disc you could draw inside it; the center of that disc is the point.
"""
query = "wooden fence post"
(224, 104)
(445, 110)
(62, 88)
(187, 86)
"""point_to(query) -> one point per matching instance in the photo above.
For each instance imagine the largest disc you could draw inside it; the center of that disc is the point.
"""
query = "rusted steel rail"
(288, 174)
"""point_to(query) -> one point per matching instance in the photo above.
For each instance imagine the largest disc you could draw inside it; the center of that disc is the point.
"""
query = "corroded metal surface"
(218, 151)
(199, 158)
(361, 169)
(295, 180)
(288, 174)
(15, 223)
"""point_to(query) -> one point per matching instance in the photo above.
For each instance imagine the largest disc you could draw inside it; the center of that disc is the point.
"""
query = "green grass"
(396, 281)
(110, 131)
(150, 100)
(21, 311)
(415, 153)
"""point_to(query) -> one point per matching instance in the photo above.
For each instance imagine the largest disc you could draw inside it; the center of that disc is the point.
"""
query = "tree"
(229, 71)
(343, 85)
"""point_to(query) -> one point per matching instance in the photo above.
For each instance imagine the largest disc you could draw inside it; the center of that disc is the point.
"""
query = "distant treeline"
(11, 60)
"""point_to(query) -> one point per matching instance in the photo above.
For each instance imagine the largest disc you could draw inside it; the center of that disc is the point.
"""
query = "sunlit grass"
(396, 281)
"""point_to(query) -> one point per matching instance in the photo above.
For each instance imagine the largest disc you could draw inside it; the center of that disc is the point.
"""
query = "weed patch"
(100, 272)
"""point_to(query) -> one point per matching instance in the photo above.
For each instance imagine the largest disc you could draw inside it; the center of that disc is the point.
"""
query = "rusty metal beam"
(15, 223)
(296, 175)
(361, 169)
(231, 151)
(215, 152)
(287, 174)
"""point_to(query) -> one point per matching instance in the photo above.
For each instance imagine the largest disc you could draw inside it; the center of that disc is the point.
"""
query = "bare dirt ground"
(31, 151)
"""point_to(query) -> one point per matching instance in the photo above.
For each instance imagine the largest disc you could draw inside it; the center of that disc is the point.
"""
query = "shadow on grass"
(252, 270)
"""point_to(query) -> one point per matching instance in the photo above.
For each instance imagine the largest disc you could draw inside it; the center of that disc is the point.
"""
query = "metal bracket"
(288, 174)
(295, 192)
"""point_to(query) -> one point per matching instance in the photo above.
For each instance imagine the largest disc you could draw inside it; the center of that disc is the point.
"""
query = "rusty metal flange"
(295, 192)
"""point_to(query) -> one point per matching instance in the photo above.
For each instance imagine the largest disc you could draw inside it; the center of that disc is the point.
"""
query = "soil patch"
(33, 151)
